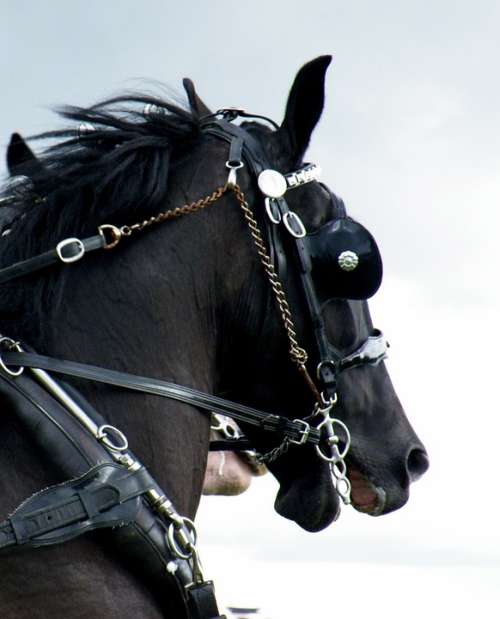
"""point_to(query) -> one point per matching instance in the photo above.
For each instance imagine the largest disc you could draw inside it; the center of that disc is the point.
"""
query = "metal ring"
(328, 363)
(275, 216)
(297, 228)
(180, 552)
(222, 425)
(340, 455)
(12, 345)
(103, 436)
(110, 234)
(345, 492)
(66, 243)
(234, 165)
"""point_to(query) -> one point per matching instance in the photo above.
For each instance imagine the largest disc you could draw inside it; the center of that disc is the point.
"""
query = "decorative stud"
(172, 567)
(85, 129)
(272, 183)
(150, 110)
(348, 260)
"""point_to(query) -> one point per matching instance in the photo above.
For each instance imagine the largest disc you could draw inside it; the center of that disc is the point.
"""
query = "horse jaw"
(229, 473)
(311, 500)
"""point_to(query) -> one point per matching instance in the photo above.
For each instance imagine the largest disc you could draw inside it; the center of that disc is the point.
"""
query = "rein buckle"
(304, 433)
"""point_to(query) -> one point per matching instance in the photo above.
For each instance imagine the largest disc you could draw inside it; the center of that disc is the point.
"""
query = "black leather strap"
(293, 429)
(236, 444)
(201, 601)
(106, 496)
(141, 541)
(69, 252)
(253, 152)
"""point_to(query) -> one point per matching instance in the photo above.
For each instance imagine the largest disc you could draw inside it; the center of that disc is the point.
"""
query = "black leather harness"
(109, 487)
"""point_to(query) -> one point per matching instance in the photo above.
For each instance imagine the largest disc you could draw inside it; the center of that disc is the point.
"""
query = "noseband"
(62, 512)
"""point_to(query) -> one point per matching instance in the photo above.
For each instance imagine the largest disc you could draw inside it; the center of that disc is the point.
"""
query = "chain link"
(275, 453)
(297, 353)
(193, 207)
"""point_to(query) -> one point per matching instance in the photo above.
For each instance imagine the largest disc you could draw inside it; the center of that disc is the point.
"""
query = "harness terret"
(109, 487)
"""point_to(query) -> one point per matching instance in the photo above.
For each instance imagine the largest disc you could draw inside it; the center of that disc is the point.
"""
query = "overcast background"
(410, 138)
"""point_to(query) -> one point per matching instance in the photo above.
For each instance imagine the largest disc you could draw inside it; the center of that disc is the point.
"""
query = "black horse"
(188, 301)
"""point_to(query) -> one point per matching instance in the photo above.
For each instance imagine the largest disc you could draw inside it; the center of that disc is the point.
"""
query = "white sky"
(410, 138)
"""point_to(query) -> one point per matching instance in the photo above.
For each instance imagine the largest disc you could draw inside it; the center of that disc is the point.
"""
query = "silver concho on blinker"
(348, 260)
(272, 183)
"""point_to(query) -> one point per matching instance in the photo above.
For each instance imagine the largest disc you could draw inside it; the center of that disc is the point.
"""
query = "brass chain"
(175, 212)
(297, 353)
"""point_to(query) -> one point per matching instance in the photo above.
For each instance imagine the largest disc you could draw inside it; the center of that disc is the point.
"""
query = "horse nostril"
(417, 463)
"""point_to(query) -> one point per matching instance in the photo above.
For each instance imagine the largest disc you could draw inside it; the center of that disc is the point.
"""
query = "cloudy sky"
(410, 138)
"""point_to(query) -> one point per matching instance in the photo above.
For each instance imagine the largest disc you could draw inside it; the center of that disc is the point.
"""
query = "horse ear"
(304, 105)
(20, 158)
(195, 103)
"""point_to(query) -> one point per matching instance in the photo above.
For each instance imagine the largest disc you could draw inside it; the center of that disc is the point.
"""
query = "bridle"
(173, 537)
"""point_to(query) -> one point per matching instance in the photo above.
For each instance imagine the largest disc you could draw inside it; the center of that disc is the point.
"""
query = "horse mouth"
(366, 497)
(230, 473)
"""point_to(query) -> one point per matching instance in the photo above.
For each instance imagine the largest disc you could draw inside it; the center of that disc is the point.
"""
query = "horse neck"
(148, 309)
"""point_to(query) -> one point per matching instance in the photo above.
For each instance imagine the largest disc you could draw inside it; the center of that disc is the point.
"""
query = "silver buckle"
(304, 433)
(66, 243)
(293, 223)
(10, 345)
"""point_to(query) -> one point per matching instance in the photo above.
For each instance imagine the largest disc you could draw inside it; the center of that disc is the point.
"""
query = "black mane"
(117, 173)
(87, 177)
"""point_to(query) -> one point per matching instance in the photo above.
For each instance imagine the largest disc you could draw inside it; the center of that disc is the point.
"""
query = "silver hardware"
(304, 432)
(293, 223)
(11, 345)
(272, 210)
(150, 109)
(181, 536)
(233, 166)
(372, 352)
(272, 183)
(77, 411)
(321, 364)
(103, 435)
(221, 423)
(58, 392)
(333, 441)
(348, 260)
(230, 113)
(172, 567)
(66, 243)
(197, 569)
(336, 458)
(307, 174)
(128, 461)
(85, 129)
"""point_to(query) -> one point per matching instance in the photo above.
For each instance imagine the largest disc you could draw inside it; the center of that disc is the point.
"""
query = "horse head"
(247, 356)
(385, 454)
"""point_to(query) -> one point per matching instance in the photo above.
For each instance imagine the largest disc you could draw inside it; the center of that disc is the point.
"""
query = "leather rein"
(168, 539)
